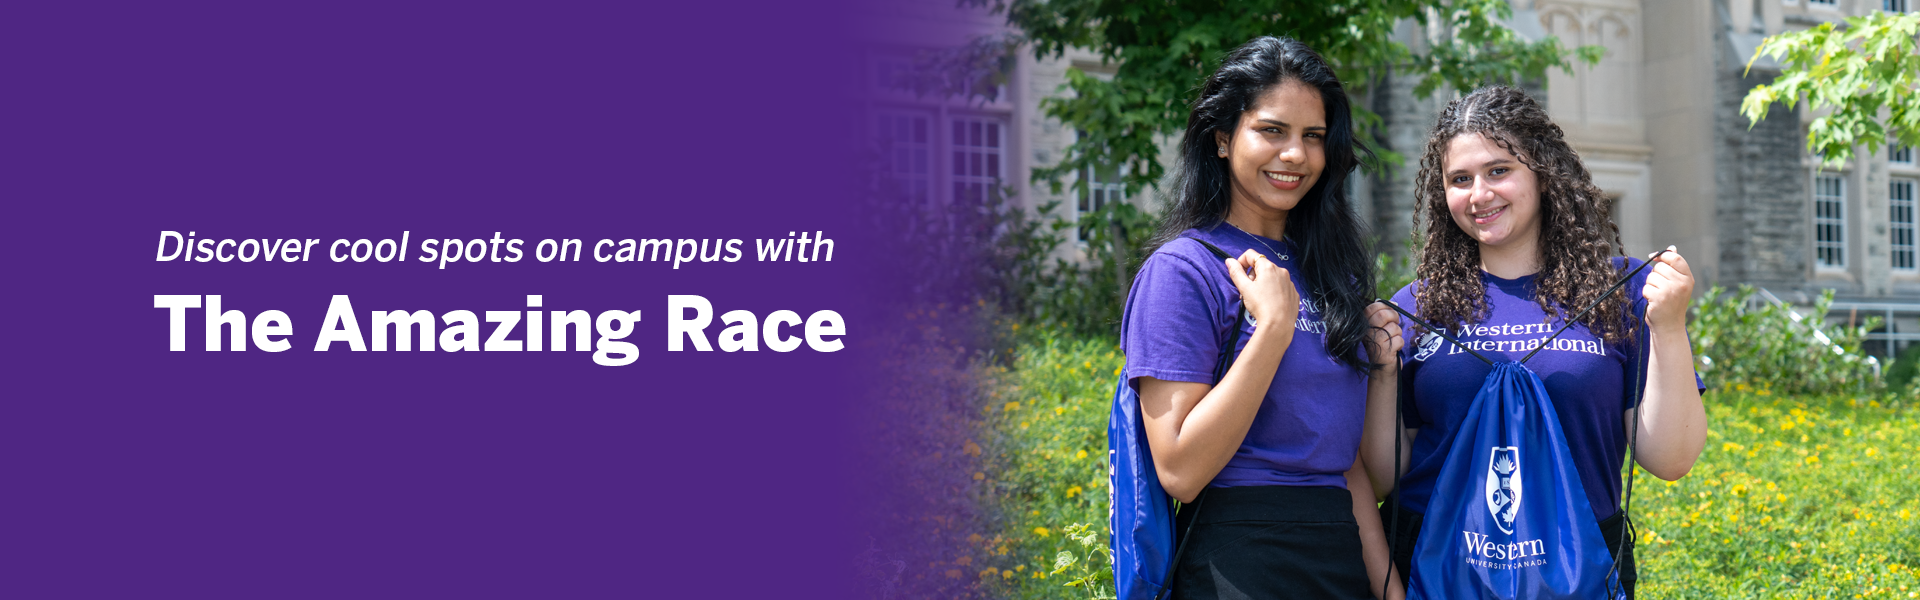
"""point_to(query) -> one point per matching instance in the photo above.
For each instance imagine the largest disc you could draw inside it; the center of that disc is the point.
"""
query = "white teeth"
(1483, 215)
(1284, 178)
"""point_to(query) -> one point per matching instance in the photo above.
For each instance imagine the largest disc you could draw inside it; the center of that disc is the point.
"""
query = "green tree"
(1852, 72)
(1163, 50)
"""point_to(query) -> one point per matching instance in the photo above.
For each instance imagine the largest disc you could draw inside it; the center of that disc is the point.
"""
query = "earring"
(1223, 152)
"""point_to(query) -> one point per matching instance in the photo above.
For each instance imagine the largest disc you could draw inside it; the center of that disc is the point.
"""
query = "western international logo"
(1429, 344)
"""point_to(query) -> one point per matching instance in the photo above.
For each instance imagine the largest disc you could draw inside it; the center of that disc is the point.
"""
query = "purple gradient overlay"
(128, 471)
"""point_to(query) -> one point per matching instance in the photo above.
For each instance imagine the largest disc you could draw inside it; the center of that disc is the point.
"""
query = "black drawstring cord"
(1627, 533)
(1596, 304)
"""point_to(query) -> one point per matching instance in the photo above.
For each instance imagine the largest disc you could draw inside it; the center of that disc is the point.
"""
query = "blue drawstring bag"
(1140, 513)
(1509, 517)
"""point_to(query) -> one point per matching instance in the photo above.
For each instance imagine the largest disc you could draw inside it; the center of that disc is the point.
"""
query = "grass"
(1044, 447)
(1794, 497)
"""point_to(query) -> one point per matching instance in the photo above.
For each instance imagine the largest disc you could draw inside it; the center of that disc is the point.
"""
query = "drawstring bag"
(1140, 511)
(1509, 517)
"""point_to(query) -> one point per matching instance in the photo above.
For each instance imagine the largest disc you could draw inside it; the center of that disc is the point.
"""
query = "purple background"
(130, 471)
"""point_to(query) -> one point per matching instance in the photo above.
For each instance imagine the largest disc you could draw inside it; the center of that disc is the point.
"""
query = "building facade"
(1656, 121)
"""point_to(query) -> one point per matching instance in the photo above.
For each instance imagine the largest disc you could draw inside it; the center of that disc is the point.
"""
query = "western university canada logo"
(1504, 486)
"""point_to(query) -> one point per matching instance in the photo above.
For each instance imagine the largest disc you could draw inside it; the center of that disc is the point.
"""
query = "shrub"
(1900, 374)
(1740, 342)
(1393, 272)
(1082, 297)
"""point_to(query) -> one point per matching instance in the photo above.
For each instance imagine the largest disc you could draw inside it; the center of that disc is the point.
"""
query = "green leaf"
(1063, 560)
(1851, 75)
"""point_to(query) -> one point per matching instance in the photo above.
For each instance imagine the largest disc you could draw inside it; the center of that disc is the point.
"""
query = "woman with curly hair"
(1265, 457)
(1518, 240)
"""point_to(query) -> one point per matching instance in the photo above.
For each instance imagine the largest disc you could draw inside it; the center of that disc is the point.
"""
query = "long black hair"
(1333, 256)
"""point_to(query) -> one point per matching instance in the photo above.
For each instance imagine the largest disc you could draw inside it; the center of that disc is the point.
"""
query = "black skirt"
(1611, 529)
(1271, 542)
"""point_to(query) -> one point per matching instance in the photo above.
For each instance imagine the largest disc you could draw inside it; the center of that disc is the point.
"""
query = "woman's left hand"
(1669, 290)
(1383, 334)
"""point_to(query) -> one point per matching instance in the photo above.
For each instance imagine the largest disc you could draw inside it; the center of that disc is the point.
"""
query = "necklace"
(1256, 239)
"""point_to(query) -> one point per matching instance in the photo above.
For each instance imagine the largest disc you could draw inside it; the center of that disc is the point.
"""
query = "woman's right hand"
(1267, 291)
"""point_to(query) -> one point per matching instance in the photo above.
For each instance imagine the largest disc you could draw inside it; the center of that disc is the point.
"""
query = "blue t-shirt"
(1179, 314)
(1585, 377)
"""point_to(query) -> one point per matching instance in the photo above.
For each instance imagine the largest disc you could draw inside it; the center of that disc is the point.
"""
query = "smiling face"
(1277, 151)
(1492, 196)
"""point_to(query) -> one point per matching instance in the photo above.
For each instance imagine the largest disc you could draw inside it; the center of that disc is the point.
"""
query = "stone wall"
(1406, 122)
(1761, 202)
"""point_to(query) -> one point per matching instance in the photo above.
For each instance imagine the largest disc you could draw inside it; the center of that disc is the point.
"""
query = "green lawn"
(1793, 498)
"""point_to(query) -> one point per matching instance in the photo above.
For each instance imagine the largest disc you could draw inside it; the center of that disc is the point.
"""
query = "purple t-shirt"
(1584, 376)
(1179, 314)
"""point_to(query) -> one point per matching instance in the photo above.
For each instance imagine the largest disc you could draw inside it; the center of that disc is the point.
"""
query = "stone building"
(1657, 122)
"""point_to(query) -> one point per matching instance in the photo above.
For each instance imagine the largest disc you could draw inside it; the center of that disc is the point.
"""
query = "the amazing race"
(688, 319)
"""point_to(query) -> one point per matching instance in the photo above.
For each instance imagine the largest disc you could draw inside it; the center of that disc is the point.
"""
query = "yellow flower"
(1011, 406)
(953, 573)
(1730, 447)
(1116, 370)
(972, 449)
(990, 572)
(1041, 531)
(1059, 410)
(1073, 491)
(1089, 364)
(975, 538)
(963, 561)
(1080, 454)
(1023, 424)
(1016, 326)
(979, 476)
(1006, 574)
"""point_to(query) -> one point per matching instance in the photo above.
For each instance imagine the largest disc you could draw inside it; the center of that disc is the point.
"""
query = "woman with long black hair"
(1288, 511)
(1518, 239)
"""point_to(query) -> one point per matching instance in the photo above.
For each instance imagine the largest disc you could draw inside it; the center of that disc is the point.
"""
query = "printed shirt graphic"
(1308, 427)
(1583, 375)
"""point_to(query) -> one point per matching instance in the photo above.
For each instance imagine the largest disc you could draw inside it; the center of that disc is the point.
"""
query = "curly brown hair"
(1577, 235)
